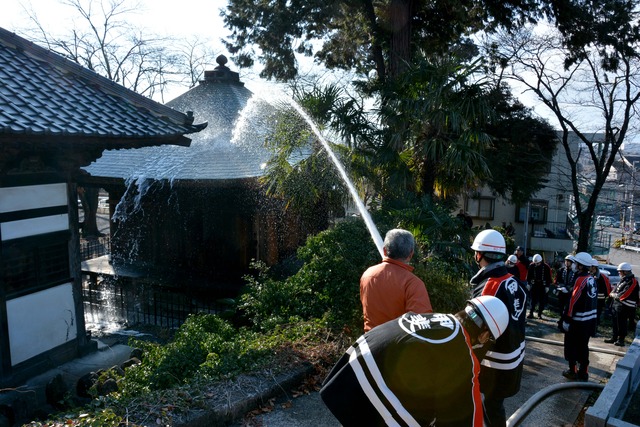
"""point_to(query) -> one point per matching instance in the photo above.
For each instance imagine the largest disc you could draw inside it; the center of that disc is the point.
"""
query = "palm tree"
(435, 116)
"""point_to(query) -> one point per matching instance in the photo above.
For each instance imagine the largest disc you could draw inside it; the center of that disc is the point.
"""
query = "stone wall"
(610, 407)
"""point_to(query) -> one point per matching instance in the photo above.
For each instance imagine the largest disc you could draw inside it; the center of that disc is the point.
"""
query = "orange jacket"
(390, 289)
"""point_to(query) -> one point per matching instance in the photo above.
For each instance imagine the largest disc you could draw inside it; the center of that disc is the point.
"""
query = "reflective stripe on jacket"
(627, 292)
(417, 370)
(502, 364)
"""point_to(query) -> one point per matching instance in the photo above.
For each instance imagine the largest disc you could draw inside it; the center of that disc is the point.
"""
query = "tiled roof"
(45, 95)
(219, 100)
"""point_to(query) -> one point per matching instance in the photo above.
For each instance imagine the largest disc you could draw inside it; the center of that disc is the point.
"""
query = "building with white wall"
(55, 117)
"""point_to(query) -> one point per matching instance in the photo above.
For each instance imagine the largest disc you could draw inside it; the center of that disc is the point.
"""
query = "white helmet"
(537, 258)
(594, 262)
(583, 258)
(493, 312)
(624, 266)
(569, 258)
(512, 259)
(489, 241)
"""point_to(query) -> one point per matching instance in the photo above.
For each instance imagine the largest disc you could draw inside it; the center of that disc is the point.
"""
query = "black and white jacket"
(416, 370)
(503, 363)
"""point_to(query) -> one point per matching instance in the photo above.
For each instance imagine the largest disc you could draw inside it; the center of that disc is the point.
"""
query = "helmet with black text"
(493, 312)
(491, 243)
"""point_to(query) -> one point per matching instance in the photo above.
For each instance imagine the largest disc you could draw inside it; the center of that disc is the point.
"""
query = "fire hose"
(520, 414)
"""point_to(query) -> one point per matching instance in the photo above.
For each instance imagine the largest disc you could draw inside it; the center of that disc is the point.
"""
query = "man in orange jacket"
(390, 289)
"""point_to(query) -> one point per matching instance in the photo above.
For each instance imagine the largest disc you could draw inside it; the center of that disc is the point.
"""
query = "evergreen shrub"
(327, 286)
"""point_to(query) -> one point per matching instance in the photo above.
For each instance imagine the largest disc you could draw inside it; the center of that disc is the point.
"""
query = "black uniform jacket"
(417, 370)
(502, 364)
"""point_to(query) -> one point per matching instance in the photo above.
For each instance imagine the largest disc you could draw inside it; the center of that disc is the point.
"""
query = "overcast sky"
(185, 17)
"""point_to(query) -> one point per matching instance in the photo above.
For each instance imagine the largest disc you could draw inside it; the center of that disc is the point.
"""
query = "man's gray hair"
(399, 243)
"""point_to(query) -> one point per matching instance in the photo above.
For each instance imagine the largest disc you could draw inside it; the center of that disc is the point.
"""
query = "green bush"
(207, 347)
(326, 286)
(448, 291)
(198, 341)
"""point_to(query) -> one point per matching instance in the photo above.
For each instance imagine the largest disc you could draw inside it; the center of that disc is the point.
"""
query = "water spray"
(248, 124)
(375, 234)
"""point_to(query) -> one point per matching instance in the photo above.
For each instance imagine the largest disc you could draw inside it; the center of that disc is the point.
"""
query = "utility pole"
(633, 190)
(526, 227)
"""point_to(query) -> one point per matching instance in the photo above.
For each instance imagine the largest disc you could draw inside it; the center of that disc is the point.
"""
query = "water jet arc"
(375, 234)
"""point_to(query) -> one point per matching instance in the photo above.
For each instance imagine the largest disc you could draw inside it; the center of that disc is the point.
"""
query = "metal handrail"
(521, 413)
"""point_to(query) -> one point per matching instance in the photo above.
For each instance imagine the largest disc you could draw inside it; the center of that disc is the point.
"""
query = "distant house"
(543, 225)
(55, 118)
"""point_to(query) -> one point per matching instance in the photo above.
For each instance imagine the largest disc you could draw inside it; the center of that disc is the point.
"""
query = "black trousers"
(538, 298)
(620, 320)
(576, 344)
(494, 413)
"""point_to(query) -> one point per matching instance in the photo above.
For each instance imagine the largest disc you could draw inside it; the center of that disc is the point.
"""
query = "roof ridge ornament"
(221, 73)
(222, 60)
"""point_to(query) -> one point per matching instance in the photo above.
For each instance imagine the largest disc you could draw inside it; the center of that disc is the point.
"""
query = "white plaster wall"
(32, 197)
(40, 321)
(13, 199)
(34, 226)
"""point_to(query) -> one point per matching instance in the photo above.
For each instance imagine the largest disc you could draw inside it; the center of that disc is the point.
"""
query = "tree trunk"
(376, 47)
(427, 178)
(400, 20)
(584, 238)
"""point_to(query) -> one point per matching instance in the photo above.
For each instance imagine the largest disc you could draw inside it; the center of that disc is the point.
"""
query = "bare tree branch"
(593, 105)
(103, 39)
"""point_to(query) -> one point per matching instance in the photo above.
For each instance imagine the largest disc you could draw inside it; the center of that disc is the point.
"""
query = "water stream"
(373, 230)
(254, 123)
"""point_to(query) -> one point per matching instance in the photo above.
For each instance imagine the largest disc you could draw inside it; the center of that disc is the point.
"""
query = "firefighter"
(564, 284)
(502, 365)
(624, 300)
(512, 268)
(539, 280)
(604, 288)
(579, 319)
(418, 369)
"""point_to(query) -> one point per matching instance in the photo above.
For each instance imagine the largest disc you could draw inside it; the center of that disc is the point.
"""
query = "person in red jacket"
(522, 257)
(624, 300)
(390, 289)
(522, 271)
(417, 370)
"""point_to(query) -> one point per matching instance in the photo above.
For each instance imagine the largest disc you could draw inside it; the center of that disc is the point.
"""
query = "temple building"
(55, 118)
(195, 217)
